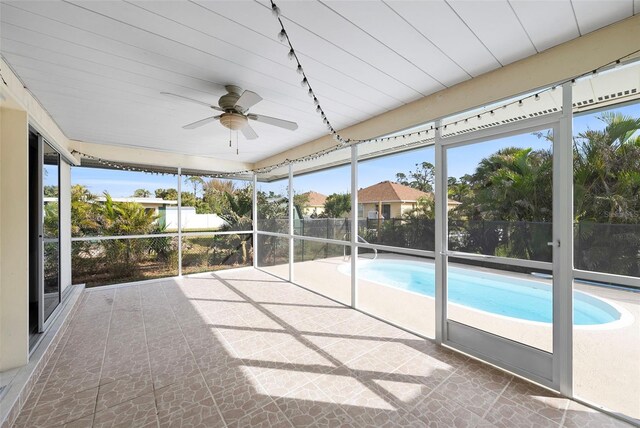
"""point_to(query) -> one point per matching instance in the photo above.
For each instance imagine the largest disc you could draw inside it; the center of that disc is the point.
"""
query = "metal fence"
(108, 260)
(608, 248)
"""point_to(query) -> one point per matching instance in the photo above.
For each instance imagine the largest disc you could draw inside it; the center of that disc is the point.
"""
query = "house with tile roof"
(315, 204)
(391, 200)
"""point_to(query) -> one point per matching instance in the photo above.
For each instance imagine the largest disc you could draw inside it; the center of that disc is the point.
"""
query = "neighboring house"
(157, 205)
(391, 200)
(167, 213)
(315, 204)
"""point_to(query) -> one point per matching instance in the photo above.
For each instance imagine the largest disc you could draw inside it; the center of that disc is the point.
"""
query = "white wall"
(191, 220)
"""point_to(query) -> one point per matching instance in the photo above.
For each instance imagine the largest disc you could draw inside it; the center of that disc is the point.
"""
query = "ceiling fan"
(234, 106)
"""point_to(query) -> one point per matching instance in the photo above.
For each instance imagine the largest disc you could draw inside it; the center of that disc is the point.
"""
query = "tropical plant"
(141, 193)
(238, 217)
(337, 204)
(167, 194)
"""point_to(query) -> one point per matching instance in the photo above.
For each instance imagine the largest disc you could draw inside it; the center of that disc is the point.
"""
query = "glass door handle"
(554, 243)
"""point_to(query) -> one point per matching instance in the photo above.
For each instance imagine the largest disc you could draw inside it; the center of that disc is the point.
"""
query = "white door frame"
(550, 369)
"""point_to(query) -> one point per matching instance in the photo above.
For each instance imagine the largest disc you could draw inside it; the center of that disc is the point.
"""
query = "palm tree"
(195, 181)
(514, 184)
(607, 196)
(141, 193)
(238, 216)
(607, 171)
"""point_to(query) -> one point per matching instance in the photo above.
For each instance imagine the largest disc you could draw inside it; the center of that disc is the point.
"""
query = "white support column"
(291, 223)
(563, 247)
(441, 236)
(179, 221)
(354, 226)
(254, 209)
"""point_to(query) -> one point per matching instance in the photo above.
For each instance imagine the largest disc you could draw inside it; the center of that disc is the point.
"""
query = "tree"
(607, 171)
(141, 193)
(425, 209)
(84, 212)
(301, 201)
(214, 195)
(337, 204)
(50, 191)
(238, 216)
(421, 178)
(167, 194)
(196, 181)
(513, 184)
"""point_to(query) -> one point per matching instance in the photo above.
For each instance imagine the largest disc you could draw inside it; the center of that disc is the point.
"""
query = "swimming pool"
(499, 294)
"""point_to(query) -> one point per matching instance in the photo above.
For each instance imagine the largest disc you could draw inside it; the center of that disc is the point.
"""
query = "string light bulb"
(275, 10)
(292, 54)
(299, 70)
(282, 35)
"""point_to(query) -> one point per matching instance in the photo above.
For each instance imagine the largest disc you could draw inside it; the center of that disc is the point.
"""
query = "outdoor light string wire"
(283, 36)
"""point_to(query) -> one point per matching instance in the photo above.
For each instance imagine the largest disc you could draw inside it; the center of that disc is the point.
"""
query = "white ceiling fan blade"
(274, 121)
(201, 122)
(248, 132)
(191, 100)
(247, 100)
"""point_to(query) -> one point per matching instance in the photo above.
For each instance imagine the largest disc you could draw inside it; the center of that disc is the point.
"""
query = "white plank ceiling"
(98, 67)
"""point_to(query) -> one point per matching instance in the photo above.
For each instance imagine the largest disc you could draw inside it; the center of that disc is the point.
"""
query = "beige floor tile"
(308, 413)
(66, 409)
(181, 395)
(579, 416)
(506, 413)
(246, 349)
(237, 402)
(535, 398)
(138, 412)
(124, 389)
(202, 415)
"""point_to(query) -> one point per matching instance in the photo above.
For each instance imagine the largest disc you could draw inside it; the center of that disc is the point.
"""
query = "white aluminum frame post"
(441, 230)
(179, 221)
(563, 246)
(254, 210)
(291, 241)
(354, 226)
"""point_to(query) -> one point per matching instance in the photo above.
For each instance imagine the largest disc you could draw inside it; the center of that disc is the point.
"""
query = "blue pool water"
(503, 295)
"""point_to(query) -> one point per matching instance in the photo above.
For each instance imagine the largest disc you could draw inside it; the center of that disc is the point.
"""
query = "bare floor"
(242, 348)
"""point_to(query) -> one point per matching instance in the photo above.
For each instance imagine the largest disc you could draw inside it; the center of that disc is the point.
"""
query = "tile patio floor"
(242, 348)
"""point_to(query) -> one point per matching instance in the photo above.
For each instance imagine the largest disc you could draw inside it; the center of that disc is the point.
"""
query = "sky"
(461, 160)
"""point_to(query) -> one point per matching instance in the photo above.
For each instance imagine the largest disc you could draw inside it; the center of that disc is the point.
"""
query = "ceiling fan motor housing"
(228, 101)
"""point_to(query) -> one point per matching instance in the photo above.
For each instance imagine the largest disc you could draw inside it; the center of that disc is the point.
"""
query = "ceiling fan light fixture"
(233, 121)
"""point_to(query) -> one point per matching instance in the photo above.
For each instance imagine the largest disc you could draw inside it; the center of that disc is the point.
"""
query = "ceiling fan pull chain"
(237, 151)
(230, 137)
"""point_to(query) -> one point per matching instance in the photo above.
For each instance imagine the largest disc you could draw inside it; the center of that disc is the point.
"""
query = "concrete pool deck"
(606, 368)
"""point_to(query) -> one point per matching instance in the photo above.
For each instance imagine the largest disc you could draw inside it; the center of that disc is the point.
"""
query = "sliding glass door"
(50, 230)
(44, 233)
